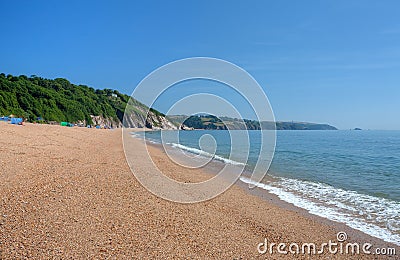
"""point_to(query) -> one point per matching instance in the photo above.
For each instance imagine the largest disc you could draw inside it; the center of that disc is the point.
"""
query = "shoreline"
(68, 193)
(274, 199)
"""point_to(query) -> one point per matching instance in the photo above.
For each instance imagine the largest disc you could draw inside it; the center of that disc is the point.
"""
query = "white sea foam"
(191, 150)
(136, 135)
(141, 136)
(377, 217)
(206, 154)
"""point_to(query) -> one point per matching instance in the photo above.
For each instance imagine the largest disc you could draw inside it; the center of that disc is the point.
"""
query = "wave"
(140, 135)
(190, 149)
(374, 216)
(206, 154)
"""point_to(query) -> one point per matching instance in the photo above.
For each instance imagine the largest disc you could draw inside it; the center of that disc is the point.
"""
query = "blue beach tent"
(16, 120)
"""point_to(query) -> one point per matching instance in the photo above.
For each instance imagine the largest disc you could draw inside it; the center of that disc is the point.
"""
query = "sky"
(333, 61)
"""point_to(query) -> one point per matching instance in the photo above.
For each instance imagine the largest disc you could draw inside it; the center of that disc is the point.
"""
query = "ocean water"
(351, 177)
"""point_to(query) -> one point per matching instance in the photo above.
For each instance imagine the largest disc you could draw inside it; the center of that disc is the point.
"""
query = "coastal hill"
(43, 100)
(223, 123)
(56, 100)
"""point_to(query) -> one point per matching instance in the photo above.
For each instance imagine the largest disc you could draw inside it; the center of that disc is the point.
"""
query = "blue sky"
(334, 62)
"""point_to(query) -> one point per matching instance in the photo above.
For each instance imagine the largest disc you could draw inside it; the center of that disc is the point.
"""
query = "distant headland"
(210, 122)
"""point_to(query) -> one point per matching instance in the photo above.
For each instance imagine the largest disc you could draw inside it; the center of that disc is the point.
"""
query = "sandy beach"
(69, 193)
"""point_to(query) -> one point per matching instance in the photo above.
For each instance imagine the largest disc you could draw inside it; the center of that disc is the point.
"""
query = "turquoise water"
(347, 176)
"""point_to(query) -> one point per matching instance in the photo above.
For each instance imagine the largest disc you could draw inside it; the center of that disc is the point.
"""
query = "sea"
(352, 177)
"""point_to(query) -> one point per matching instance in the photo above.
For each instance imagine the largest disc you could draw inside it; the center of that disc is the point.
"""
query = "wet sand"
(69, 193)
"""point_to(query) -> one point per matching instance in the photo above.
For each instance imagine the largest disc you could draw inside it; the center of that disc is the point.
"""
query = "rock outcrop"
(153, 120)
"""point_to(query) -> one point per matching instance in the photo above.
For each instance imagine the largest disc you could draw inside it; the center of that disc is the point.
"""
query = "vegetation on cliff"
(35, 98)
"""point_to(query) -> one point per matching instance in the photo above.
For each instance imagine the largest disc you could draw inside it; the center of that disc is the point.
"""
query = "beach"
(69, 193)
